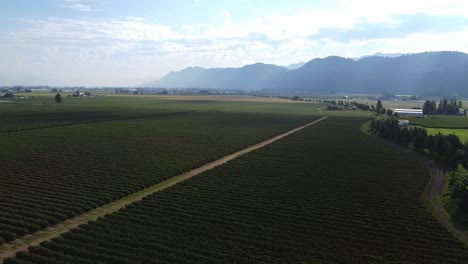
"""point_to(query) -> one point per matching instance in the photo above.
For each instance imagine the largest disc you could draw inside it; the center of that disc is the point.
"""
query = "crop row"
(328, 194)
(35, 119)
(49, 175)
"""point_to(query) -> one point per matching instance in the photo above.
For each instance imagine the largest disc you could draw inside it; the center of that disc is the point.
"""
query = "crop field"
(27, 113)
(326, 194)
(73, 165)
(440, 121)
(461, 133)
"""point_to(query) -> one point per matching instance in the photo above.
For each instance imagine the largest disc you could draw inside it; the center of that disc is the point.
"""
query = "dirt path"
(22, 244)
(433, 190)
(431, 195)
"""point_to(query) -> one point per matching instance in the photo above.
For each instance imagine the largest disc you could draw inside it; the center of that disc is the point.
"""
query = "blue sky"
(130, 42)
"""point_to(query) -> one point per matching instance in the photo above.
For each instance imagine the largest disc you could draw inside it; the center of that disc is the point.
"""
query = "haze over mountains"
(429, 73)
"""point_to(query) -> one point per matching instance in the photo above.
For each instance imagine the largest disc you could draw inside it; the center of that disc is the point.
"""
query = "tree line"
(345, 105)
(445, 107)
(446, 148)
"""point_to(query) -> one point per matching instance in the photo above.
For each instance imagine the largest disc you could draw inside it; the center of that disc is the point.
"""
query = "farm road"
(22, 244)
(433, 190)
(431, 194)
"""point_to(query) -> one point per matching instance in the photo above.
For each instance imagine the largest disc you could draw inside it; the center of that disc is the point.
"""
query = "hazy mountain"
(380, 54)
(429, 73)
(255, 76)
(295, 66)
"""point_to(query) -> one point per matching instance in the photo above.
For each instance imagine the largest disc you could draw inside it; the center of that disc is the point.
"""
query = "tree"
(463, 201)
(428, 108)
(389, 112)
(9, 95)
(58, 98)
(378, 107)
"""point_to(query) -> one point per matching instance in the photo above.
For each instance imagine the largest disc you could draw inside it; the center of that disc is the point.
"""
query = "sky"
(132, 42)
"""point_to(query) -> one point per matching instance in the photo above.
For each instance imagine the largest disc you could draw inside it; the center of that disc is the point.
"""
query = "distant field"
(328, 194)
(85, 153)
(440, 121)
(461, 133)
(228, 98)
(40, 110)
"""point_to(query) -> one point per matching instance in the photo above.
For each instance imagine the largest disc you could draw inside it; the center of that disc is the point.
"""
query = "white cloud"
(81, 7)
(135, 18)
(132, 50)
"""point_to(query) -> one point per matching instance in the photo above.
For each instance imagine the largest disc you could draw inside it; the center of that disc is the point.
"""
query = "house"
(409, 112)
(403, 123)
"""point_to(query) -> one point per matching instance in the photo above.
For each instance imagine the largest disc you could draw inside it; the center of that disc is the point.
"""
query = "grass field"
(310, 198)
(440, 121)
(444, 124)
(461, 133)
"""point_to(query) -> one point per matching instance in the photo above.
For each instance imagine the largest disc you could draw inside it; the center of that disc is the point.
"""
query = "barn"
(409, 112)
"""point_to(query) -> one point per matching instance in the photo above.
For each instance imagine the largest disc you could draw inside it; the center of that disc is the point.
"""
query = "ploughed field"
(72, 165)
(326, 194)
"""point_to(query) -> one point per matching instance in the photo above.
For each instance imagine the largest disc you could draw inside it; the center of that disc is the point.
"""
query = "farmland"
(71, 165)
(440, 121)
(327, 194)
(461, 133)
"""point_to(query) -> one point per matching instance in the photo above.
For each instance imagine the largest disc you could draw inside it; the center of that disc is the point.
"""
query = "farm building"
(409, 112)
(403, 123)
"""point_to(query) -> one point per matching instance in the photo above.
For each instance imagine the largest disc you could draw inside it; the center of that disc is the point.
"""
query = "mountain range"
(428, 73)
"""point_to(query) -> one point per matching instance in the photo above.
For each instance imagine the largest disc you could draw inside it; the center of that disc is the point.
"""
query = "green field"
(309, 198)
(326, 194)
(444, 124)
(440, 121)
(61, 161)
(461, 133)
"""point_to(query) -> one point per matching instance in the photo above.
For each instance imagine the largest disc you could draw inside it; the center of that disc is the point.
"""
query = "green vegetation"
(58, 98)
(327, 194)
(461, 133)
(445, 107)
(444, 148)
(455, 196)
(440, 121)
(447, 149)
(61, 162)
(40, 111)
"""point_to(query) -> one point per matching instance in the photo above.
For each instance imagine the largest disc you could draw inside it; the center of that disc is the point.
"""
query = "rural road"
(431, 194)
(22, 244)
(433, 190)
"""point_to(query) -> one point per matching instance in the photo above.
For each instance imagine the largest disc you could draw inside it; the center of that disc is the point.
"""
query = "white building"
(409, 112)
(403, 123)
